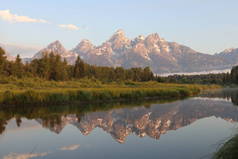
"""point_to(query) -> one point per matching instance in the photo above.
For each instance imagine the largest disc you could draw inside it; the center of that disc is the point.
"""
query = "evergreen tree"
(3, 61)
(18, 67)
(234, 74)
(79, 68)
(147, 74)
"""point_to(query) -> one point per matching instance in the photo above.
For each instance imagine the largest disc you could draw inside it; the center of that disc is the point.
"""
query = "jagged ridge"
(153, 51)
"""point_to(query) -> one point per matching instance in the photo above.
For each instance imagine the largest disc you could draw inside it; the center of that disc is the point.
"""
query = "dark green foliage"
(79, 69)
(9, 68)
(234, 75)
(18, 67)
(221, 79)
(229, 150)
(3, 62)
(147, 74)
(52, 67)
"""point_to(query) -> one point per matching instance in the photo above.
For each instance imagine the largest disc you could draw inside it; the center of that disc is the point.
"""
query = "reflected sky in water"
(190, 128)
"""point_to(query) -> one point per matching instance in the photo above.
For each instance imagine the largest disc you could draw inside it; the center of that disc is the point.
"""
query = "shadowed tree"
(3, 61)
(18, 67)
(79, 68)
(234, 74)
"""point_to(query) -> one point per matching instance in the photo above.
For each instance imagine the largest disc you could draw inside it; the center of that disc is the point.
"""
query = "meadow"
(15, 91)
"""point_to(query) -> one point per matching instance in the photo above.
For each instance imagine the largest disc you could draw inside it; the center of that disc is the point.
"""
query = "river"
(191, 128)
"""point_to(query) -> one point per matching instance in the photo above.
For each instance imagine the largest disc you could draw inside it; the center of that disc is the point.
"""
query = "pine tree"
(234, 74)
(147, 74)
(18, 67)
(3, 61)
(79, 68)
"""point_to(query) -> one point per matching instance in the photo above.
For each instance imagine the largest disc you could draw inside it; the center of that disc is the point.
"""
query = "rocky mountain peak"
(56, 46)
(56, 42)
(119, 40)
(104, 49)
(118, 35)
(83, 47)
(229, 50)
(153, 51)
(140, 38)
(152, 39)
(85, 41)
(58, 49)
(120, 32)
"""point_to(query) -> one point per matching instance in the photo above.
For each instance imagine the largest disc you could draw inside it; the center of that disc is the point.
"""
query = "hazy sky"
(207, 26)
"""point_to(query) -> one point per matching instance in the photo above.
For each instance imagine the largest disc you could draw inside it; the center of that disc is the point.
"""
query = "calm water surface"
(193, 128)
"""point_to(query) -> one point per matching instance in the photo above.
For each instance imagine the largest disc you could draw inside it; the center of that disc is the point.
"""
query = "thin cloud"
(69, 26)
(24, 156)
(14, 18)
(70, 148)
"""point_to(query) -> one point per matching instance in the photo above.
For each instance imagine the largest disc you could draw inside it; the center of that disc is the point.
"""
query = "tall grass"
(38, 91)
(229, 150)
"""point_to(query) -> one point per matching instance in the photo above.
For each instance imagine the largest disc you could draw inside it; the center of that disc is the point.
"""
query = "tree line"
(53, 67)
(219, 78)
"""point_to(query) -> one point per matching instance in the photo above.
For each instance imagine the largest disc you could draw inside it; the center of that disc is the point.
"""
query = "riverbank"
(38, 91)
(228, 150)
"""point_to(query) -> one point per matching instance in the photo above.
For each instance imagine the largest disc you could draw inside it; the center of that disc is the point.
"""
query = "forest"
(52, 67)
(220, 79)
(225, 79)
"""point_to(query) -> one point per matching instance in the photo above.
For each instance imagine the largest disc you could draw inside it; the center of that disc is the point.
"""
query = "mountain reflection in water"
(151, 120)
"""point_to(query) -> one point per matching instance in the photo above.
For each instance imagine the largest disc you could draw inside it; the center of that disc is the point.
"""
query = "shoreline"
(105, 93)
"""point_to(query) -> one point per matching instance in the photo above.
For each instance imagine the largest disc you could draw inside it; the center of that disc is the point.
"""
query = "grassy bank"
(228, 150)
(37, 91)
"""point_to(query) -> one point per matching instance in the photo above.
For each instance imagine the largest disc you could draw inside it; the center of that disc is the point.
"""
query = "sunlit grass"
(34, 91)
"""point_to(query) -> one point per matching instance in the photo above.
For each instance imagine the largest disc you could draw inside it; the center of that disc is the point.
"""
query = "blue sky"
(207, 26)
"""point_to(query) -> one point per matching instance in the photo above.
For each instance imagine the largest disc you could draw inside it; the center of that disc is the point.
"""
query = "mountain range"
(153, 51)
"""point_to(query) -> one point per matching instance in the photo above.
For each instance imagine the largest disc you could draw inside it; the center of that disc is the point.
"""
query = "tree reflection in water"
(123, 119)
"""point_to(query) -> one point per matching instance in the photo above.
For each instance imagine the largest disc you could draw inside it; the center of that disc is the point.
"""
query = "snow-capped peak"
(119, 32)
(153, 38)
(119, 40)
(141, 37)
(83, 47)
(229, 50)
